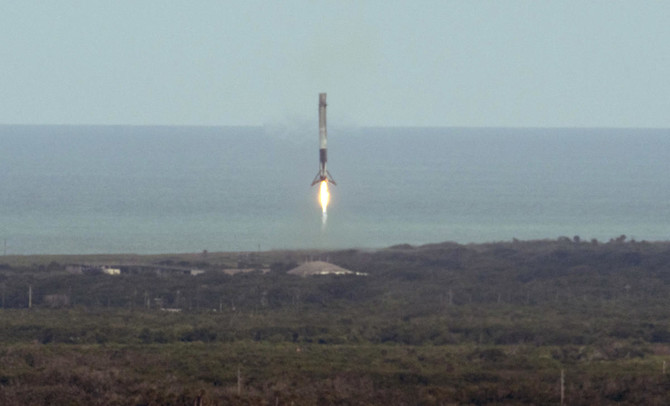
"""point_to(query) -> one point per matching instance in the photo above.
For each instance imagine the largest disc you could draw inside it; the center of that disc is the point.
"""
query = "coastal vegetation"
(562, 321)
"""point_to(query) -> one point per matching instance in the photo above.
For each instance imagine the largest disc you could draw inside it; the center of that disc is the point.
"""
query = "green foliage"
(435, 324)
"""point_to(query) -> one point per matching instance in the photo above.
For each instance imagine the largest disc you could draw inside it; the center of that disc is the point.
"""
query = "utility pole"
(30, 296)
(562, 387)
(239, 381)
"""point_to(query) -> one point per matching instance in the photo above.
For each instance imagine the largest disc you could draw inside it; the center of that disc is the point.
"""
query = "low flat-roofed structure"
(234, 271)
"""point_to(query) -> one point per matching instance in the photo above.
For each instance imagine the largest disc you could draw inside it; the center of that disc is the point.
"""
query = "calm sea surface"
(119, 189)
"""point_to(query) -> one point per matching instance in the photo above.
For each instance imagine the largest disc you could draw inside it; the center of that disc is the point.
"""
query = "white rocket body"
(323, 173)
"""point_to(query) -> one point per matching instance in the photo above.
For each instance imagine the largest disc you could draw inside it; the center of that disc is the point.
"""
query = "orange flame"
(324, 195)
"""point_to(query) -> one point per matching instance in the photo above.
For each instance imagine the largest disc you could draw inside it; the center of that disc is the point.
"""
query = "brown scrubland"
(561, 321)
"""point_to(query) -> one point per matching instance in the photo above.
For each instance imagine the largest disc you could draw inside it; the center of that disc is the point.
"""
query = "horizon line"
(521, 127)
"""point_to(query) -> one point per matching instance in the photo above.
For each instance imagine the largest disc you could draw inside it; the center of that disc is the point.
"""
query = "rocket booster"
(323, 173)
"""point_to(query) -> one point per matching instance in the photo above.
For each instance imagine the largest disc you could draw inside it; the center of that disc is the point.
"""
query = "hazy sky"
(382, 63)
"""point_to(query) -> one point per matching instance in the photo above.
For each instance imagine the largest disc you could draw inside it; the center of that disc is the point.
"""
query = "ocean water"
(120, 189)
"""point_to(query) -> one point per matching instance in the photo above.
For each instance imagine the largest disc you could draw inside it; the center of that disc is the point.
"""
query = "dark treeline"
(518, 273)
(435, 324)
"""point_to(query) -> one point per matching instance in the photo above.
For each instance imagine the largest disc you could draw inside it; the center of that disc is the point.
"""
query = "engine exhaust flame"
(324, 198)
(324, 195)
